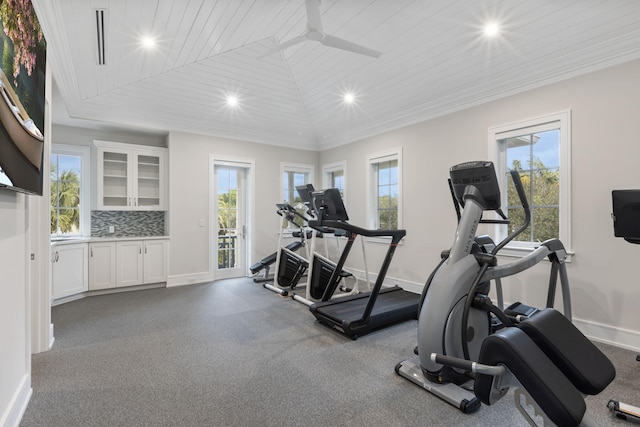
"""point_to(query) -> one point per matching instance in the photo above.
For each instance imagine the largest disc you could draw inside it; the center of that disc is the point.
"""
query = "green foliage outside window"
(542, 186)
(65, 201)
(227, 221)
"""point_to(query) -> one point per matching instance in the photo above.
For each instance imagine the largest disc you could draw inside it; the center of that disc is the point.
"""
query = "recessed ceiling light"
(492, 29)
(349, 98)
(232, 101)
(148, 42)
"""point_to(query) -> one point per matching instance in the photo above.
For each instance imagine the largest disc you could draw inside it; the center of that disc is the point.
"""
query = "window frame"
(372, 187)
(306, 168)
(560, 120)
(328, 170)
(85, 184)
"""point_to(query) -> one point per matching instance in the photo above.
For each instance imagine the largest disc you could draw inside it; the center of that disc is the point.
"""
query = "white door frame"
(249, 166)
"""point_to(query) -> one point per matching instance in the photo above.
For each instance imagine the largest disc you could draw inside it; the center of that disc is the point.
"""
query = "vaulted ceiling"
(434, 59)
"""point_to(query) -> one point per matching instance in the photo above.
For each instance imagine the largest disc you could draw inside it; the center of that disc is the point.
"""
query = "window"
(294, 175)
(539, 149)
(384, 175)
(69, 190)
(334, 176)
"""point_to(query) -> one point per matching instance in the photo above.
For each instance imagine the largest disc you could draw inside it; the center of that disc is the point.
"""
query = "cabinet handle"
(91, 253)
(129, 202)
(145, 248)
(57, 256)
(135, 201)
(140, 249)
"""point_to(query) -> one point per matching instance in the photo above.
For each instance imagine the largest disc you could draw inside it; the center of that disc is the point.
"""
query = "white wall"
(15, 362)
(189, 199)
(605, 130)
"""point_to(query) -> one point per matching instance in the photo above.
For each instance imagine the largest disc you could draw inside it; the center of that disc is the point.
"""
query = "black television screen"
(626, 214)
(22, 93)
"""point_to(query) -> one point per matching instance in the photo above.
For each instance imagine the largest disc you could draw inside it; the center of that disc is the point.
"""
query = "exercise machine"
(265, 263)
(289, 217)
(290, 265)
(321, 265)
(457, 318)
(626, 224)
(359, 314)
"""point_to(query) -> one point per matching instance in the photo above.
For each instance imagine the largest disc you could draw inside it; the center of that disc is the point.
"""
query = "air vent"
(100, 32)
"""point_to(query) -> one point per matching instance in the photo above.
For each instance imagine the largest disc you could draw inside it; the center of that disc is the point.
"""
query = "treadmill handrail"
(396, 235)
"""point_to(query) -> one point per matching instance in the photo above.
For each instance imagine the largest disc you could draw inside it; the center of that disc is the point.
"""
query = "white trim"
(328, 169)
(240, 162)
(619, 337)
(388, 281)
(307, 168)
(190, 279)
(498, 156)
(84, 153)
(374, 158)
(18, 405)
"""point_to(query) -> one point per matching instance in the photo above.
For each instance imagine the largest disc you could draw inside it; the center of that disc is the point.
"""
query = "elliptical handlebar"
(517, 182)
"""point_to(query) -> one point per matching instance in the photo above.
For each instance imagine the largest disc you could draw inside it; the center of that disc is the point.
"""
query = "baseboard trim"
(86, 294)
(619, 337)
(19, 403)
(52, 338)
(388, 281)
(189, 279)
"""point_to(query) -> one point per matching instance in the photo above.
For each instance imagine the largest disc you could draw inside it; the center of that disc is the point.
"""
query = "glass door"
(230, 196)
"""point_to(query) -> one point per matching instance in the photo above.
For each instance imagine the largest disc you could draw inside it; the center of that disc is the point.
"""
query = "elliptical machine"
(455, 320)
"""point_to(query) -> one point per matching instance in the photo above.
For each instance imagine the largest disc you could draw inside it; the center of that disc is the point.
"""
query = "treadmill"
(359, 314)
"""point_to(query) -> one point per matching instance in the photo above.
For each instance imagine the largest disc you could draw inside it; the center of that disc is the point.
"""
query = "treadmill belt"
(392, 305)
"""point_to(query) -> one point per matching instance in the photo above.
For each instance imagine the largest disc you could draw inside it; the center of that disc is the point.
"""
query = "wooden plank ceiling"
(434, 60)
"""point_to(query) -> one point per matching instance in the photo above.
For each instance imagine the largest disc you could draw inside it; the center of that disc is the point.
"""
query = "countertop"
(72, 240)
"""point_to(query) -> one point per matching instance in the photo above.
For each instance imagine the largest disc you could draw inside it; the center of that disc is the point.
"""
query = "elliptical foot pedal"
(519, 312)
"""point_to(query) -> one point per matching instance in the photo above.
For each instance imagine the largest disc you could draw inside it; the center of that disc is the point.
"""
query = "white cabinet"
(130, 177)
(156, 256)
(69, 272)
(141, 262)
(129, 262)
(102, 265)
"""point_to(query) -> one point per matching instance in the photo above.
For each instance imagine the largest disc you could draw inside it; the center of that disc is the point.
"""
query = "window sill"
(522, 251)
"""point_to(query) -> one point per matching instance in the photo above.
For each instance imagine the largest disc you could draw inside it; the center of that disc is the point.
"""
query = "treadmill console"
(328, 203)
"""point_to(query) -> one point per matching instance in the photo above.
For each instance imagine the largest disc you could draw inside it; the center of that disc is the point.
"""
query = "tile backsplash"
(127, 223)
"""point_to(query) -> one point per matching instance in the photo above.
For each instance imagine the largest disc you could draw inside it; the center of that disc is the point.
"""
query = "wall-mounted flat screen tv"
(22, 93)
(626, 214)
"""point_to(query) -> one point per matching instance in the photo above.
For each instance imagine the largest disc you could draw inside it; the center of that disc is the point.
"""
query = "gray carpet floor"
(231, 353)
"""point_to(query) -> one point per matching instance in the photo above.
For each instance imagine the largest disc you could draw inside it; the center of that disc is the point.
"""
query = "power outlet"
(112, 229)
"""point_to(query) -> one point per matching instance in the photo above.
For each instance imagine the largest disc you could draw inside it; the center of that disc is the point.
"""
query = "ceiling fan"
(314, 33)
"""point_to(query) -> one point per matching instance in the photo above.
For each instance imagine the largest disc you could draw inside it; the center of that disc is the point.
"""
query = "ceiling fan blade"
(313, 15)
(285, 45)
(339, 43)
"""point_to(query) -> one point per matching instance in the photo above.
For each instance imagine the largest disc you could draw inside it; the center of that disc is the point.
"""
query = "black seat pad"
(555, 394)
(577, 357)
